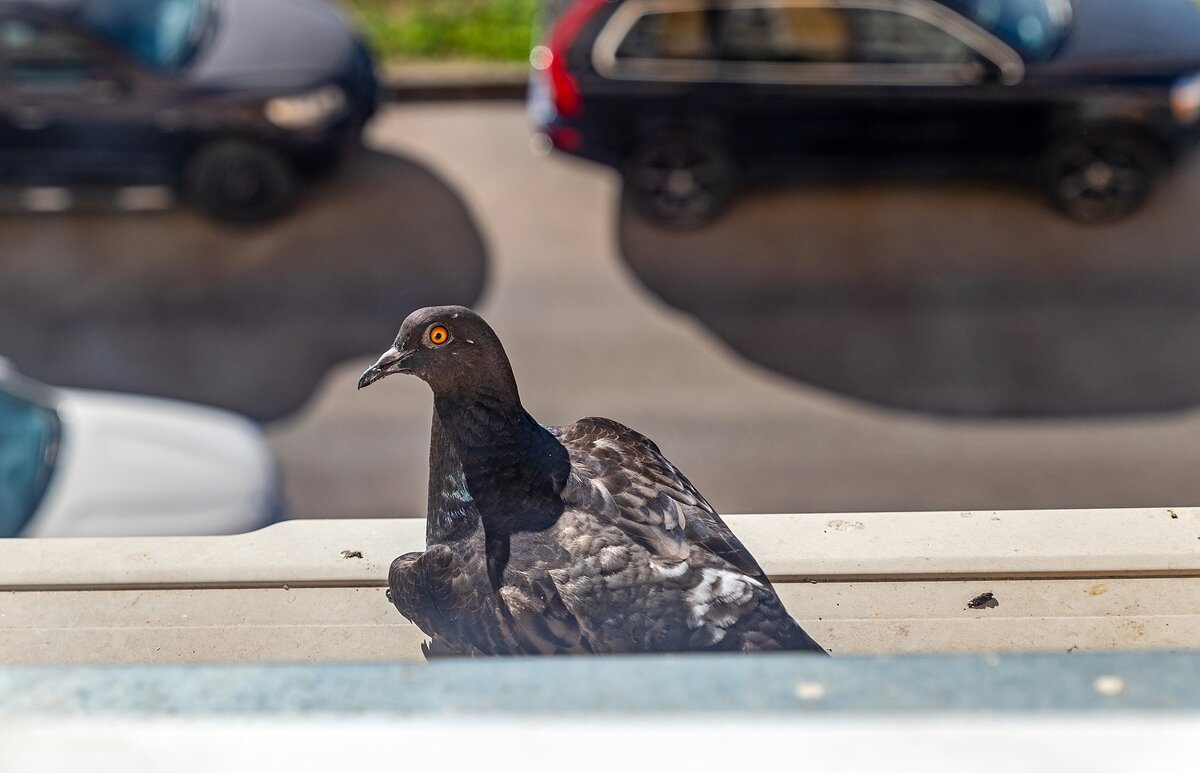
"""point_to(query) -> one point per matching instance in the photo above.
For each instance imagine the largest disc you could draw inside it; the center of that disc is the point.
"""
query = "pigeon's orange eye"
(438, 335)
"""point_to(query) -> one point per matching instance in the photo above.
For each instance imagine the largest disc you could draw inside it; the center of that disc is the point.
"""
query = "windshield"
(164, 34)
(28, 447)
(1033, 27)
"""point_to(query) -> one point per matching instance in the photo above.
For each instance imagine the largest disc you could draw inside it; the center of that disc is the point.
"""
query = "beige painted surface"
(862, 583)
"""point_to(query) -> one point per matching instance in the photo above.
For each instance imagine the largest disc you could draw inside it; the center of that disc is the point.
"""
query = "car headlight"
(305, 111)
(1185, 99)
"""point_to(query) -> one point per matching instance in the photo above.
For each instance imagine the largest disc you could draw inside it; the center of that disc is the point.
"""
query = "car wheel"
(239, 181)
(1100, 177)
(680, 182)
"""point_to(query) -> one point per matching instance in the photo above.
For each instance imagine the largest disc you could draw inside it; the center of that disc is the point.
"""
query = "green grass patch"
(497, 30)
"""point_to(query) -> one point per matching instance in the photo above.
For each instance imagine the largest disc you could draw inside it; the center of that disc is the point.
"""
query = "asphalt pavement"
(960, 296)
(602, 316)
(173, 304)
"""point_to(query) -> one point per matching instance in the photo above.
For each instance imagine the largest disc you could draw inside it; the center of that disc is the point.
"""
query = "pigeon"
(576, 539)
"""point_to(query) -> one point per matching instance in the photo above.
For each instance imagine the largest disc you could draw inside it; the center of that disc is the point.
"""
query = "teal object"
(782, 684)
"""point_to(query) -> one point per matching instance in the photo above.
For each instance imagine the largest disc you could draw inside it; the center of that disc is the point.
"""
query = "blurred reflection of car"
(76, 463)
(230, 101)
(686, 97)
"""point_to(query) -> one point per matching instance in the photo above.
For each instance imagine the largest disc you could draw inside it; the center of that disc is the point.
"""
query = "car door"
(75, 111)
(845, 80)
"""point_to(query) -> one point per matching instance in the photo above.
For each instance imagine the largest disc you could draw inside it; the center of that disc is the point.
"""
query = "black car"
(688, 97)
(232, 102)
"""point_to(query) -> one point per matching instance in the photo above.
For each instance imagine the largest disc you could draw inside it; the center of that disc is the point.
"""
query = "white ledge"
(1151, 542)
(313, 591)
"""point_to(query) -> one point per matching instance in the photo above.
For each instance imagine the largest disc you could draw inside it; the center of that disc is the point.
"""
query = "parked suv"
(233, 102)
(689, 97)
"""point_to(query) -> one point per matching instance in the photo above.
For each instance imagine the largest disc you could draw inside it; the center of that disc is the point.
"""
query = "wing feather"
(651, 499)
(464, 618)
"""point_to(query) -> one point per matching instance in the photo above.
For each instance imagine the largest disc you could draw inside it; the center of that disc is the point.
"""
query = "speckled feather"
(575, 539)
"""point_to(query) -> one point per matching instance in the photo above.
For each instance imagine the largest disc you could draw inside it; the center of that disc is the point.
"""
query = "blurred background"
(832, 255)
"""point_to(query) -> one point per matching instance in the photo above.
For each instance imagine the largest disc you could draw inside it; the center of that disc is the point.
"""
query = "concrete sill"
(874, 583)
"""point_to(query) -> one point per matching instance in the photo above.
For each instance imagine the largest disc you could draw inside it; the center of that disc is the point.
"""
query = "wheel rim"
(1097, 180)
(680, 179)
(244, 184)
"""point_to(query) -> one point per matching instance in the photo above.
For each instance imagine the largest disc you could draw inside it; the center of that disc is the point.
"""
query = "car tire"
(680, 181)
(239, 181)
(1100, 176)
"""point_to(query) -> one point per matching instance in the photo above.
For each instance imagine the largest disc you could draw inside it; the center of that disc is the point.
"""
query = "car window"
(887, 37)
(786, 35)
(164, 34)
(28, 445)
(836, 35)
(1033, 27)
(671, 35)
(44, 59)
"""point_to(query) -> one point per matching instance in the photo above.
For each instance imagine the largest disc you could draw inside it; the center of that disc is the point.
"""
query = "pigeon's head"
(451, 348)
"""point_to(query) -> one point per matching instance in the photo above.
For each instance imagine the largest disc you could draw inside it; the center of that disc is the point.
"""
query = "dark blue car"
(232, 102)
(690, 97)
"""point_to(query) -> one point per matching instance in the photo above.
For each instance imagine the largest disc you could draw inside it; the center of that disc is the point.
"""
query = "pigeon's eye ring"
(438, 335)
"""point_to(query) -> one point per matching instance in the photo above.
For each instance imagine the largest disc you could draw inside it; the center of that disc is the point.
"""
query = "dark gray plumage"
(581, 538)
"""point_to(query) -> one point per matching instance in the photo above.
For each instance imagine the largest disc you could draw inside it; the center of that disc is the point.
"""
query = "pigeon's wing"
(620, 474)
(538, 620)
(432, 590)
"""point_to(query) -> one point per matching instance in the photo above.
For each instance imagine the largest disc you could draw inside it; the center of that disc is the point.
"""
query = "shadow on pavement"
(248, 319)
(947, 297)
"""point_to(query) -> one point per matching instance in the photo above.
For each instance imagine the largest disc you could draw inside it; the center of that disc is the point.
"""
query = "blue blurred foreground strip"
(730, 684)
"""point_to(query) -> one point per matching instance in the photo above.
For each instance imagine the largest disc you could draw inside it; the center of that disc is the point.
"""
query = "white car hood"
(139, 466)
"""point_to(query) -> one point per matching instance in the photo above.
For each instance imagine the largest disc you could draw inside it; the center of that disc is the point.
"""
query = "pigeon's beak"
(391, 361)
